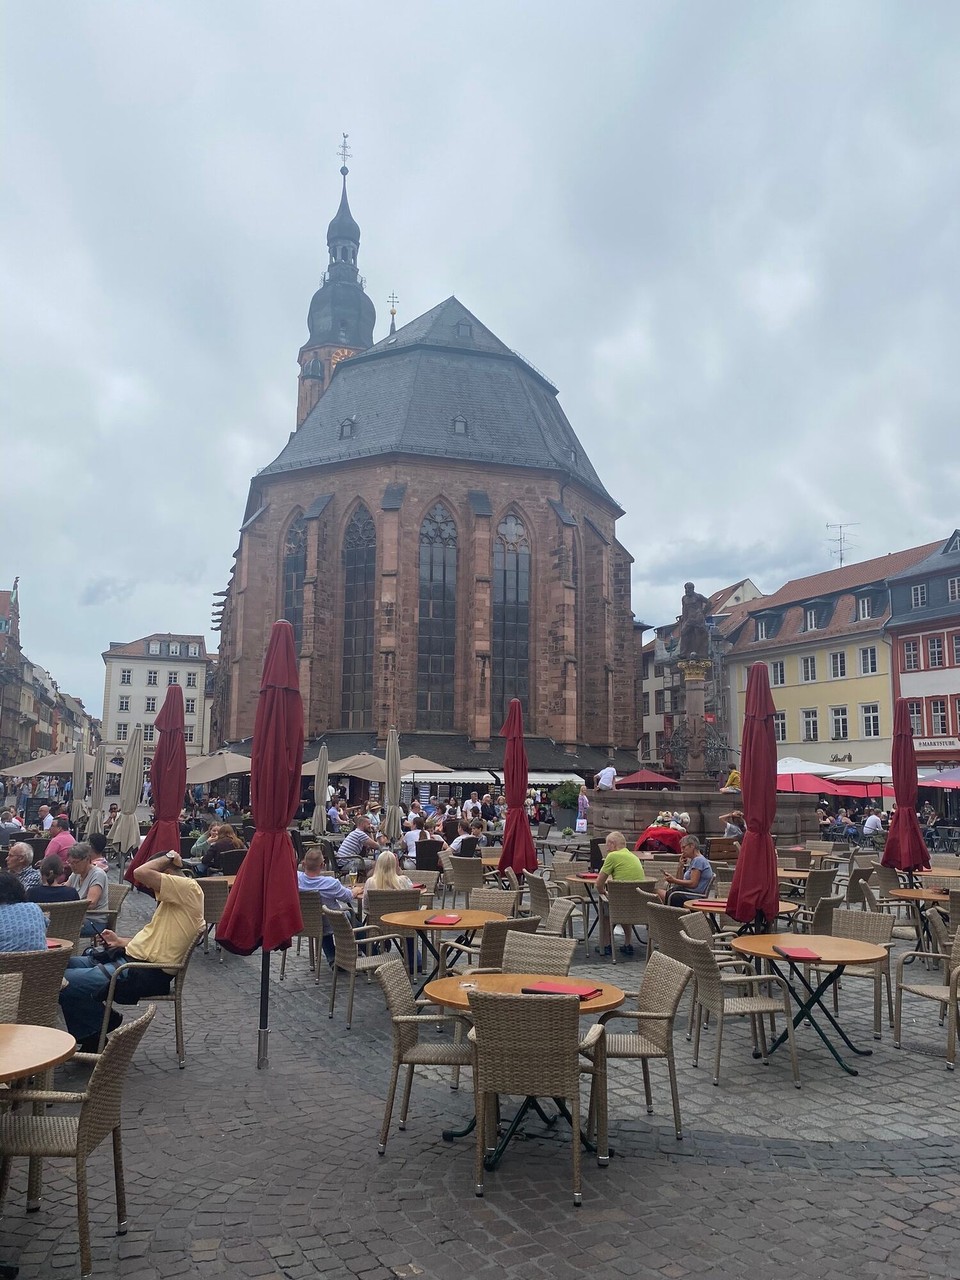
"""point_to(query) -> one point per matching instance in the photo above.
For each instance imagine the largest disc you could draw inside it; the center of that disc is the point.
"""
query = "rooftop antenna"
(393, 300)
(840, 541)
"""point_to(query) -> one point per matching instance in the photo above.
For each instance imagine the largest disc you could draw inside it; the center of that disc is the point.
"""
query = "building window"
(124, 704)
(938, 716)
(658, 671)
(122, 727)
(868, 660)
(659, 702)
(811, 730)
(911, 655)
(188, 733)
(660, 743)
(174, 649)
(459, 425)
(645, 746)
(437, 633)
(191, 679)
(761, 629)
(870, 719)
(915, 711)
(838, 723)
(359, 602)
(347, 428)
(810, 620)
(864, 608)
(148, 733)
(956, 650)
(935, 651)
(838, 665)
(808, 669)
(511, 618)
(152, 677)
(173, 677)
(153, 646)
(150, 704)
(918, 596)
(126, 675)
(194, 651)
(190, 706)
(464, 329)
(780, 726)
(778, 674)
(294, 572)
(646, 704)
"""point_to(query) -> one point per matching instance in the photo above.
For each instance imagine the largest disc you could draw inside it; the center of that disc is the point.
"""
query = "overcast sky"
(729, 232)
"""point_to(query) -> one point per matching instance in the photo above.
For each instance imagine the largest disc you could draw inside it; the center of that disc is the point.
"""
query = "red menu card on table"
(798, 953)
(448, 918)
(582, 989)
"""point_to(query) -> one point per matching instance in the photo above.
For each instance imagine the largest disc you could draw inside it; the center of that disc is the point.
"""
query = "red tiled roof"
(846, 578)
(138, 648)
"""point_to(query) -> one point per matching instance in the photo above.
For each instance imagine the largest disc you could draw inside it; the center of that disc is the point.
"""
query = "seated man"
(312, 878)
(696, 879)
(165, 941)
(23, 926)
(62, 839)
(20, 864)
(350, 855)
(463, 830)
(620, 863)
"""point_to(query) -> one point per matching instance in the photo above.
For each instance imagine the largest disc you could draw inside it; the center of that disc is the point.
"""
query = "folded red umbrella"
(905, 848)
(168, 781)
(518, 848)
(754, 896)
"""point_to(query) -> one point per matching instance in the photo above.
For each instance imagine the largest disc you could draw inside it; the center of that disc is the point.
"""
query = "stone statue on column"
(694, 663)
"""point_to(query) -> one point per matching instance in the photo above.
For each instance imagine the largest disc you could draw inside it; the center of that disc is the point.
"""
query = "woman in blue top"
(696, 875)
(23, 926)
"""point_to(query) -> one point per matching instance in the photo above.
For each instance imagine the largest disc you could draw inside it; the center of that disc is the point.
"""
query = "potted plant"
(563, 802)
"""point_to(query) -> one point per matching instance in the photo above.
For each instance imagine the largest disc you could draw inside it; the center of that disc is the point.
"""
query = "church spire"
(343, 233)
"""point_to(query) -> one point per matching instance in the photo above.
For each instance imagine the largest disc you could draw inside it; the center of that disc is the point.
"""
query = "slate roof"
(939, 561)
(404, 393)
(138, 648)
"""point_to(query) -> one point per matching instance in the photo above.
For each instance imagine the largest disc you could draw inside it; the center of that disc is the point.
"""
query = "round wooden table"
(933, 894)
(718, 906)
(61, 942)
(491, 861)
(833, 954)
(454, 993)
(792, 873)
(27, 1050)
(467, 922)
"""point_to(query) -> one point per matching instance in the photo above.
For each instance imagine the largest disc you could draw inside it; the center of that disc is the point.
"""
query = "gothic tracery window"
(511, 618)
(436, 644)
(359, 601)
(294, 572)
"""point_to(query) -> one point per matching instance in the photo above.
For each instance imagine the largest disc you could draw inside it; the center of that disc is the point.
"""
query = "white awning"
(543, 779)
(483, 776)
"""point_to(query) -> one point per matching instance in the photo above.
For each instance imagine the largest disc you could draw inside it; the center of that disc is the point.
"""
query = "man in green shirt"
(620, 863)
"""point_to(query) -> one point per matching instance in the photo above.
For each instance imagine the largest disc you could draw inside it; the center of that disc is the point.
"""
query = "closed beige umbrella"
(393, 819)
(79, 785)
(318, 823)
(98, 786)
(125, 832)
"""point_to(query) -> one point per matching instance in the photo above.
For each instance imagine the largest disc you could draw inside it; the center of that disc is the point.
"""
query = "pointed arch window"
(436, 642)
(511, 618)
(294, 572)
(359, 600)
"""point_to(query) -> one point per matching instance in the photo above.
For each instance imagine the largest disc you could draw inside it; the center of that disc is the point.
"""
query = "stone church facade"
(438, 538)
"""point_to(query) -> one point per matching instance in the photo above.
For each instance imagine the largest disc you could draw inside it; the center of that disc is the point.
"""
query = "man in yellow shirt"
(620, 863)
(165, 940)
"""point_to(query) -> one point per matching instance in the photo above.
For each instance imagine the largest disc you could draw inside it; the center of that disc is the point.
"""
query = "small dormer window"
(864, 608)
(810, 620)
(154, 646)
(464, 329)
(347, 428)
(174, 649)
(460, 425)
(761, 629)
(918, 597)
(572, 456)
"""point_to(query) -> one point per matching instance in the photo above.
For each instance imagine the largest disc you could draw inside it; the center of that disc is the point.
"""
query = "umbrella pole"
(263, 1034)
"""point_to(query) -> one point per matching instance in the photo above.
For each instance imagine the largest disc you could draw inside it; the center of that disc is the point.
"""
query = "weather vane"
(344, 152)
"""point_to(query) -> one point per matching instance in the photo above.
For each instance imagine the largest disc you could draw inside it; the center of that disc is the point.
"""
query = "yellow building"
(823, 641)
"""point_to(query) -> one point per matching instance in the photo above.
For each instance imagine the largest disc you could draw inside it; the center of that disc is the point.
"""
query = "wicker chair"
(946, 992)
(853, 894)
(530, 1046)
(349, 960)
(174, 997)
(429, 881)
(215, 893)
(823, 914)
(818, 885)
(884, 879)
(721, 994)
(66, 920)
(541, 897)
(558, 919)
(116, 895)
(41, 974)
(311, 913)
(10, 984)
(627, 906)
(408, 1049)
(489, 950)
(503, 901)
(445, 858)
(77, 1137)
(663, 923)
(537, 953)
(662, 988)
(466, 874)
(865, 927)
(914, 931)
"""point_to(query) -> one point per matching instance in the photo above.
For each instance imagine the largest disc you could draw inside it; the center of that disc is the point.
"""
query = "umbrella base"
(263, 1045)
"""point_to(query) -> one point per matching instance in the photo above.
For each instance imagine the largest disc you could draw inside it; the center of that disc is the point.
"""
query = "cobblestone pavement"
(235, 1172)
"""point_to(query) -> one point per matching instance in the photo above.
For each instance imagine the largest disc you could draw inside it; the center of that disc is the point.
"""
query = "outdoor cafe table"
(27, 1050)
(466, 923)
(716, 907)
(919, 900)
(454, 993)
(832, 953)
(791, 873)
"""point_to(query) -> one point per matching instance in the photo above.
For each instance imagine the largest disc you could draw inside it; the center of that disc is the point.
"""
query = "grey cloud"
(106, 591)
